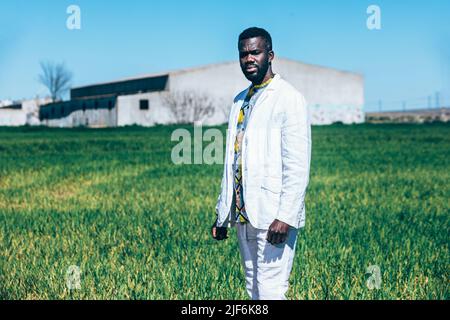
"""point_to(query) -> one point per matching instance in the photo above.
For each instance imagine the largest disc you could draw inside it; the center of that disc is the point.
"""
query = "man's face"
(254, 58)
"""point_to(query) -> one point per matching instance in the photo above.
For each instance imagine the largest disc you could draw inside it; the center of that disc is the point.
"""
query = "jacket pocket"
(272, 184)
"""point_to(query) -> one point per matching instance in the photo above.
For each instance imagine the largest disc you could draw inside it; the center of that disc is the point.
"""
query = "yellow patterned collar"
(265, 83)
(259, 86)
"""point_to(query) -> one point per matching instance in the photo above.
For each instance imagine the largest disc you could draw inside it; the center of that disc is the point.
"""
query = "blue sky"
(409, 58)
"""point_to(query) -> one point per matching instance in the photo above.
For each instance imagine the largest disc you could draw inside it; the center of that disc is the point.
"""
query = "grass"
(111, 202)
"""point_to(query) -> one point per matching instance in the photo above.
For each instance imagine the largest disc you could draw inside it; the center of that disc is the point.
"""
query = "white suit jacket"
(276, 153)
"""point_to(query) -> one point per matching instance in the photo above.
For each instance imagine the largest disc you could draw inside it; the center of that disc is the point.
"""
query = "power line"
(433, 101)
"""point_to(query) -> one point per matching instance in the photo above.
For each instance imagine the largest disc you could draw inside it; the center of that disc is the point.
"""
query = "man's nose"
(249, 59)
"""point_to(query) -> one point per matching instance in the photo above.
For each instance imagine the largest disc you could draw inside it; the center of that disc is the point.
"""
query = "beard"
(256, 75)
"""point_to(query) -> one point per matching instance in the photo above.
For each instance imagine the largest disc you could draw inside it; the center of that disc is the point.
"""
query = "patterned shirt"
(250, 100)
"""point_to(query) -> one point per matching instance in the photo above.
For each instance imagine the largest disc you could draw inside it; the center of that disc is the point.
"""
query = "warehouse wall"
(12, 117)
(220, 82)
(332, 95)
(129, 112)
(28, 114)
(90, 118)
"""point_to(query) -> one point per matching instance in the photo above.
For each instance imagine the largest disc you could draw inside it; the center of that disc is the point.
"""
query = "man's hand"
(278, 232)
(219, 233)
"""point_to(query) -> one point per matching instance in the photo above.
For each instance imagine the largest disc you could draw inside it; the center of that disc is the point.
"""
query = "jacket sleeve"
(222, 183)
(219, 198)
(224, 178)
(221, 194)
(295, 158)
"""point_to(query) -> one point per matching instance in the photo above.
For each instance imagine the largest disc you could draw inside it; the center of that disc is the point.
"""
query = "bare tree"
(223, 107)
(56, 78)
(189, 107)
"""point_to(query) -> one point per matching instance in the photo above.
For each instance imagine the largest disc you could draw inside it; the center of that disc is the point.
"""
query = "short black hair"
(254, 32)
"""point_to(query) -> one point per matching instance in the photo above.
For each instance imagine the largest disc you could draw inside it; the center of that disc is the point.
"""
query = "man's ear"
(271, 55)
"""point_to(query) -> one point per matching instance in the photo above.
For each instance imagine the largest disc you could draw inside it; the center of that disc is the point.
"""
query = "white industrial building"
(25, 112)
(203, 94)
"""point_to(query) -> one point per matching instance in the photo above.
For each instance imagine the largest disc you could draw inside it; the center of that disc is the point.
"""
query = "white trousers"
(267, 267)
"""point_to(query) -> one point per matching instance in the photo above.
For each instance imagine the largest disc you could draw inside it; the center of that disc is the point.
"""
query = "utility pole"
(437, 100)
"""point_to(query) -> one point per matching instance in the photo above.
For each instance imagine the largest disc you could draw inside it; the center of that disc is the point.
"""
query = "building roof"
(198, 68)
(123, 87)
(15, 106)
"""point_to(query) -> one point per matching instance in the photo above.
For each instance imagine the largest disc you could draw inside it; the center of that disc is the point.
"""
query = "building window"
(143, 104)
(110, 104)
(96, 104)
(84, 106)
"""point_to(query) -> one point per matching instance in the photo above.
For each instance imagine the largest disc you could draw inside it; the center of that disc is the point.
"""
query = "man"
(266, 170)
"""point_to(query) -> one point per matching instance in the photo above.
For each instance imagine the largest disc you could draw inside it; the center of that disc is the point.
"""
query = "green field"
(111, 202)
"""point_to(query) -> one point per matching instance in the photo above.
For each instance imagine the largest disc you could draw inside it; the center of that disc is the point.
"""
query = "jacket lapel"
(267, 93)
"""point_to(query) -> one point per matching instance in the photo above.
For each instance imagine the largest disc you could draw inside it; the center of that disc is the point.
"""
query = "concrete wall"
(129, 113)
(220, 82)
(91, 118)
(12, 117)
(332, 95)
(31, 109)
(27, 115)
